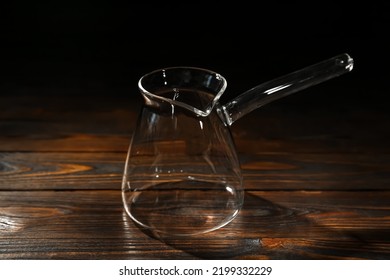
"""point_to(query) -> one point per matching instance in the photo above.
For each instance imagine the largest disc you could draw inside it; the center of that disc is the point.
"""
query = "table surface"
(316, 179)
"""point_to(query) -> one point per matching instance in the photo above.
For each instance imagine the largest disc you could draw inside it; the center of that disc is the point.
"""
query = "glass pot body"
(182, 174)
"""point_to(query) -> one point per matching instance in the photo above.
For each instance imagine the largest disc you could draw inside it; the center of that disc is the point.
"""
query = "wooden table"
(317, 179)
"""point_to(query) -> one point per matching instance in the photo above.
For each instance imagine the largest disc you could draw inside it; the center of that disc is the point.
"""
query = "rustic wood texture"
(294, 224)
(317, 187)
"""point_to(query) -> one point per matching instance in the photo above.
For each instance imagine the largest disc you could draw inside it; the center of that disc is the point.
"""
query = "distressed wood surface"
(316, 188)
(284, 224)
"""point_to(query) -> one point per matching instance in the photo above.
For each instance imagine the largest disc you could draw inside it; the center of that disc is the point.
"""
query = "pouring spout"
(285, 85)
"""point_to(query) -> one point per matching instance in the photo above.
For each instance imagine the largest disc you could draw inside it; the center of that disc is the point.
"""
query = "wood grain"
(317, 182)
(283, 171)
(277, 225)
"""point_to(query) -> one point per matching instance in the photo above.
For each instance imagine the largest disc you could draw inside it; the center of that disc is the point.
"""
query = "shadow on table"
(265, 230)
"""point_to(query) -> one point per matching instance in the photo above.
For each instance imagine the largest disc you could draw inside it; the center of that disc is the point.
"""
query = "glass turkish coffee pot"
(182, 174)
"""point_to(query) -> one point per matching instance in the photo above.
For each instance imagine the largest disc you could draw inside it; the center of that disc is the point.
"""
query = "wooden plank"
(316, 171)
(99, 170)
(272, 225)
(66, 121)
(82, 141)
(51, 171)
(60, 121)
(57, 142)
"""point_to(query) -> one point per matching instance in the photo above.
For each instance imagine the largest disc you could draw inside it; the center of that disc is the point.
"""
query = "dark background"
(103, 47)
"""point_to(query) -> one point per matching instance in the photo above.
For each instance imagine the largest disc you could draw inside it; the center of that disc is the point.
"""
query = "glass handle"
(286, 85)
